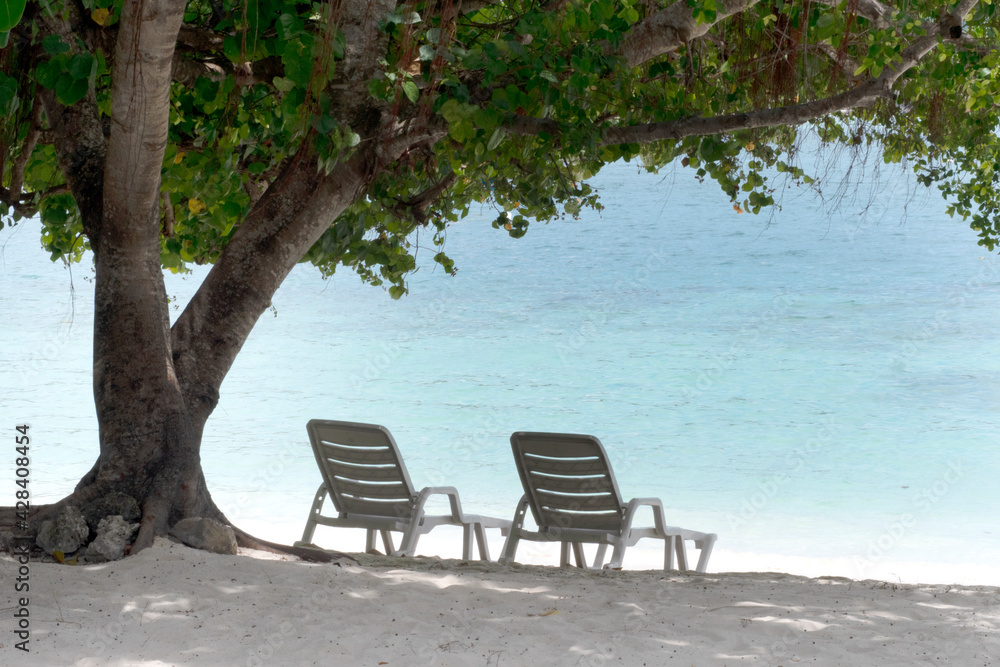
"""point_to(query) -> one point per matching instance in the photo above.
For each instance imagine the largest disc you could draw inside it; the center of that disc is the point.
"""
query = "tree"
(255, 135)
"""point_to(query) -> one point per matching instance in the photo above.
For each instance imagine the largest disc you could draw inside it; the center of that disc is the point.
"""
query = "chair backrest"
(568, 480)
(362, 468)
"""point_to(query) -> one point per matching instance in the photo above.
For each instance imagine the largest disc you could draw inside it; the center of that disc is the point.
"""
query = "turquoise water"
(817, 387)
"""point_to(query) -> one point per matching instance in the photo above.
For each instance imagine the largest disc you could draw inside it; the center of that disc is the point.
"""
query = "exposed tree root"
(8, 525)
(248, 541)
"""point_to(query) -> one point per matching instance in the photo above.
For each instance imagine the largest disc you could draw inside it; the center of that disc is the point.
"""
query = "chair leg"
(581, 560)
(467, 542)
(314, 511)
(618, 555)
(564, 554)
(307, 534)
(602, 549)
(510, 546)
(387, 542)
(369, 540)
(705, 547)
(484, 547)
(682, 561)
(514, 536)
(668, 551)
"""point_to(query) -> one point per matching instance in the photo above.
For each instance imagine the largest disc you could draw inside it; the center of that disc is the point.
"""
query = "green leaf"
(462, 130)
(10, 14)
(298, 61)
(289, 26)
(452, 111)
(487, 118)
(69, 91)
(232, 49)
(47, 73)
(283, 83)
(82, 66)
(495, 139)
(445, 261)
(411, 90)
(8, 93)
(53, 44)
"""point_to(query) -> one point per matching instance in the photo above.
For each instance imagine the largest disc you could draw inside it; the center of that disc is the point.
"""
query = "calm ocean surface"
(819, 388)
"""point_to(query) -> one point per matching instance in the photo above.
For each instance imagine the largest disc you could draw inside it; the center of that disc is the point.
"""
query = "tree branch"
(667, 30)
(873, 10)
(187, 70)
(202, 40)
(416, 206)
(285, 222)
(862, 95)
(847, 65)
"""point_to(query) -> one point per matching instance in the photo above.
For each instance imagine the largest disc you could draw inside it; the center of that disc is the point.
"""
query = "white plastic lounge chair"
(364, 476)
(573, 496)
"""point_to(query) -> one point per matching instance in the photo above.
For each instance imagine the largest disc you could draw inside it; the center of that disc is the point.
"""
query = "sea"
(818, 384)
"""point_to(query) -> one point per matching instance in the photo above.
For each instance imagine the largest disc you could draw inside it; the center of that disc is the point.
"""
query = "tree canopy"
(508, 102)
(255, 134)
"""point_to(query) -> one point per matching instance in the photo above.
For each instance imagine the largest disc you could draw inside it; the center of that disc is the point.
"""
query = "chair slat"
(386, 508)
(572, 484)
(364, 473)
(351, 434)
(555, 520)
(557, 447)
(362, 490)
(579, 503)
(568, 467)
(368, 455)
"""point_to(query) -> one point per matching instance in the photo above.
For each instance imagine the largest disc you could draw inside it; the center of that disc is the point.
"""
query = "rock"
(114, 503)
(207, 534)
(66, 533)
(113, 533)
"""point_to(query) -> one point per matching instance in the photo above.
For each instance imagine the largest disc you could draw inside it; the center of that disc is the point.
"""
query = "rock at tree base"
(111, 504)
(113, 533)
(206, 534)
(67, 532)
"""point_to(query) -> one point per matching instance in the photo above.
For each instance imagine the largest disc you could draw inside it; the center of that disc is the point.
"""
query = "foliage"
(517, 97)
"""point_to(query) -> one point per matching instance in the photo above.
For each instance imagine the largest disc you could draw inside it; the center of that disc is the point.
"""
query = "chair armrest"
(659, 521)
(450, 491)
(457, 515)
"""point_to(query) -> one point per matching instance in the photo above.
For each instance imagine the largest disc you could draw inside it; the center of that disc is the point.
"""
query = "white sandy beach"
(172, 605)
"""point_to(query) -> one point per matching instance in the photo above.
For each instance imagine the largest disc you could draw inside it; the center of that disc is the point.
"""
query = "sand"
(172, 605)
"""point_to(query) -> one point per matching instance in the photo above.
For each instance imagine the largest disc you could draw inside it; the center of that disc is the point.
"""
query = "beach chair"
(573, 496)
(364, 476)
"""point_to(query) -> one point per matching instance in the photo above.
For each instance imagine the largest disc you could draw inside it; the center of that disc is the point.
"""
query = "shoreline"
(445, 542)
(172, 605)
